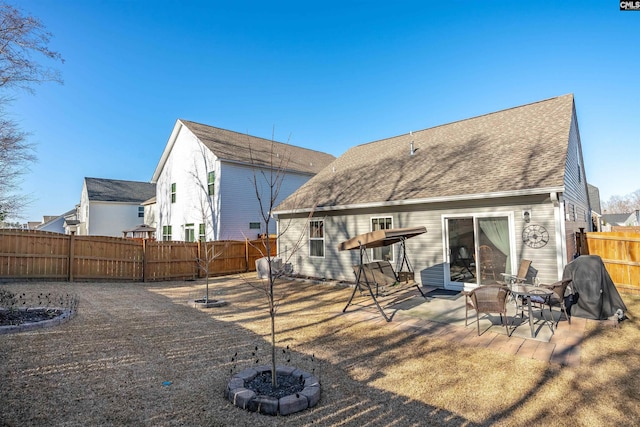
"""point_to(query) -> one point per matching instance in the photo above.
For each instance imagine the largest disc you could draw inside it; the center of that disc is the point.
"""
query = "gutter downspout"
(561, 232)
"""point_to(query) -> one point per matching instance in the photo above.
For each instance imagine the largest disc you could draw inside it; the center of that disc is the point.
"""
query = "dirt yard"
(140, 354)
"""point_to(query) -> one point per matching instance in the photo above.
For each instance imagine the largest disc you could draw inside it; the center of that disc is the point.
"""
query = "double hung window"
(189, 233)
(166, 232)
(316, 238)
(211, 183)
(384, 253)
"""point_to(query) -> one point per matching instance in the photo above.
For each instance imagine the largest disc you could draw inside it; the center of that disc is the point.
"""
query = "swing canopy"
(380, 238)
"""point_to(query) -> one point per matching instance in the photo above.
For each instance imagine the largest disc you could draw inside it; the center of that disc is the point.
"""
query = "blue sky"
(323, 75)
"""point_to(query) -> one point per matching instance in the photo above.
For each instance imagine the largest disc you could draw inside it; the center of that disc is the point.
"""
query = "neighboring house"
(71, 221)
(150, 212)
(621, 220)
(110, 206)
(512, 181)
(596, 207)
(31, 225)
(54, 224)
(204, 182)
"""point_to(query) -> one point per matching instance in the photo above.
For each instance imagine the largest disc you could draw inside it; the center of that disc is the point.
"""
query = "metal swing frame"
(375, 239)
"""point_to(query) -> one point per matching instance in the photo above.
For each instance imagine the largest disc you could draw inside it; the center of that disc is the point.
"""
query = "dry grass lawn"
(108, 364)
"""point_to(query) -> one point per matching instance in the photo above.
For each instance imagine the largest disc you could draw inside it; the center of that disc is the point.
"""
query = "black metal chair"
(559, 289)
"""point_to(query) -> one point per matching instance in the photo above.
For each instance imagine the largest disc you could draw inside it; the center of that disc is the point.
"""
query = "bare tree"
(622, 204)
(15, 155)
(21, 36)
(267, 183)
(206, 204)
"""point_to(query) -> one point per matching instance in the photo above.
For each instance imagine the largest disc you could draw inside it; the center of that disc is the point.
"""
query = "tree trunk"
(274, 377)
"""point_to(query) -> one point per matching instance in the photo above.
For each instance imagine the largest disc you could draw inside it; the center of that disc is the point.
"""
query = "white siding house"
(54, 224)
(512, 181)
(109, 206)
(204, 181)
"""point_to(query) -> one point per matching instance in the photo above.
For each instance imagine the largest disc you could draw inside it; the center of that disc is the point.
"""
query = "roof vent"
(412, 151)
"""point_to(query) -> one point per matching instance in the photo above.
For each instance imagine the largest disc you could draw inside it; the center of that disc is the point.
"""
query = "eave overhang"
(429, 200)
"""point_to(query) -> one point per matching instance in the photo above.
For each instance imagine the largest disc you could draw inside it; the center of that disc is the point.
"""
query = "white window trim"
(316, 238)
(167, 237)
(211, 193)
(393, 248)
(477, 215)
(202, 232)
(191, 229)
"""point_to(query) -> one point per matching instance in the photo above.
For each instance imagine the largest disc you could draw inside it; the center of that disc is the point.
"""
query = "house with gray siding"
(621, 220)
(205, 182)
(491, 190)
(54, 223)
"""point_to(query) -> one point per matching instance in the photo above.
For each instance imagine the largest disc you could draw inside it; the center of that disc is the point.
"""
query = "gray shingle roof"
(616, 219)
(113, 190)
(243, 148)
(594, 198)
(515, 149)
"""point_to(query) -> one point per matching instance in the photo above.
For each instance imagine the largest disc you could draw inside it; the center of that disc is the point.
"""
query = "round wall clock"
(535, 236)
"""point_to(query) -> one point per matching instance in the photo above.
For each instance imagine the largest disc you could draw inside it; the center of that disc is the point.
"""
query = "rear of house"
(491, 190)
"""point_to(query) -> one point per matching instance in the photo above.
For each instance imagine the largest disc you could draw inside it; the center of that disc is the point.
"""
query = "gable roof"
(114, 190)
(52, 218)
(246, 149)
(509, 152)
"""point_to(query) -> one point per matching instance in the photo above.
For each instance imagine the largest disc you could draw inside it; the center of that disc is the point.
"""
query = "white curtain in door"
(497, 231)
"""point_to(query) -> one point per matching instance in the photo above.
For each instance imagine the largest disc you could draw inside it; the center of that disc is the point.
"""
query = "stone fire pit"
(241, 391)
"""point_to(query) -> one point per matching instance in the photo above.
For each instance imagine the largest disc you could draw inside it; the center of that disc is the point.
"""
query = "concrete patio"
(444, 316)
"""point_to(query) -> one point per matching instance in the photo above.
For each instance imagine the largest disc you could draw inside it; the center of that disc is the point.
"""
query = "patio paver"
(562, 347)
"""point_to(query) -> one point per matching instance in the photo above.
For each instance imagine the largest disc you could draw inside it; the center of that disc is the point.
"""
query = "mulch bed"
(22, 316)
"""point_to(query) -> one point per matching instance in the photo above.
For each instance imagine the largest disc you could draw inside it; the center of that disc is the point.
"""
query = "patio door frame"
(446, 253)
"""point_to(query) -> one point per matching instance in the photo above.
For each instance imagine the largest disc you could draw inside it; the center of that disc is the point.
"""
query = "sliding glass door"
(461, 247)
(478, 249)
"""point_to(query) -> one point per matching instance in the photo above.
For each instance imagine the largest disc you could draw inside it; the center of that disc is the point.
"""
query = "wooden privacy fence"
(620, 252)
(28, 254)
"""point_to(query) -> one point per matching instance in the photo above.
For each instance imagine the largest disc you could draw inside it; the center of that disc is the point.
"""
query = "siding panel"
(425, 252)
(575, 198)
(239, 204)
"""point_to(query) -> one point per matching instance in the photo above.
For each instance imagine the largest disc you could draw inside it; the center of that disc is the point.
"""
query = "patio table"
(524, 293)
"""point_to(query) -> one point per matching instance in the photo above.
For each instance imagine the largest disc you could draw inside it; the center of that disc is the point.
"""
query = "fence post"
(71, 254)
(246, 254)
(144, 260)
(581, 242)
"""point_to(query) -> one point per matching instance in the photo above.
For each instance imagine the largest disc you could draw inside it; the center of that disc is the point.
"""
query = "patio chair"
(487, 299)
(520, 277)
(559, 289)
(487, 262)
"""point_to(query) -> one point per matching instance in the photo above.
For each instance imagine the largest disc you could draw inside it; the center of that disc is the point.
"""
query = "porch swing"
(381, 273)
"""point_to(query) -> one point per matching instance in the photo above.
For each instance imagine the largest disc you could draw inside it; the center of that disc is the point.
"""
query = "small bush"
(7, 299)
